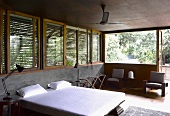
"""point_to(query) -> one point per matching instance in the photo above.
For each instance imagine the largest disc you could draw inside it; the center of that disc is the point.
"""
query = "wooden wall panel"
(141, 71)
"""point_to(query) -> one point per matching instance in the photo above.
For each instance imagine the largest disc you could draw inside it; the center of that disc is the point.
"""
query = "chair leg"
(163, 93)
(163, 90)
(144, 87)
(144, 90)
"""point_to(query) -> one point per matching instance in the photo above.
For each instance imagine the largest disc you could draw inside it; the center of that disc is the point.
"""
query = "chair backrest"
(118, 73)
(157, 76)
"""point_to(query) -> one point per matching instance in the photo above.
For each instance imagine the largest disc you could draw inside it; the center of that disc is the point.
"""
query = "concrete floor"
(159, 103)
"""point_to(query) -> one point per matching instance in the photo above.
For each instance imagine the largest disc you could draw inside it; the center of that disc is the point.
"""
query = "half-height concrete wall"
(15, 82)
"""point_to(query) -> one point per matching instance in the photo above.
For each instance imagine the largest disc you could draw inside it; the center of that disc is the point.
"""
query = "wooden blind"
(54, 44)
(96, 47)
(71, 47)
(82, 47)
(23, 41)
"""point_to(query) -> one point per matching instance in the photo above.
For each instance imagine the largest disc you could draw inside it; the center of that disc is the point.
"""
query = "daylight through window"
(23, 41)
(131, 47)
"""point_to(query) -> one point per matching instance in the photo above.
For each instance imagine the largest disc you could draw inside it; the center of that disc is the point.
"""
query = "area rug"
(137, 111)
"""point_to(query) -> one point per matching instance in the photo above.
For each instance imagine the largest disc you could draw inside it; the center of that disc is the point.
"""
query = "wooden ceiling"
(135, 14)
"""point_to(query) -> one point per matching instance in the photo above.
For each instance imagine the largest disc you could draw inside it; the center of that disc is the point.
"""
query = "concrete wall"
(15, 82)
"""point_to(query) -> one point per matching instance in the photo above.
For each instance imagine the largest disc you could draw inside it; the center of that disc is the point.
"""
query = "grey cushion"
(118, 73)
(158, 85)
(157, 77)
(113, 79)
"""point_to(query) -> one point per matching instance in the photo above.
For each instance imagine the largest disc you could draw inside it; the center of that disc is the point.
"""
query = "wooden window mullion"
(33, 46)
(91, 47)
(87, 46)
(7, 42)
(1, 40)
(64, 45)
(77, 47)
(45, 42)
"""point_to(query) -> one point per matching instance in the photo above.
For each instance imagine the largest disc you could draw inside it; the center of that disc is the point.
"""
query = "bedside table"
(12, 106)
(131, 82)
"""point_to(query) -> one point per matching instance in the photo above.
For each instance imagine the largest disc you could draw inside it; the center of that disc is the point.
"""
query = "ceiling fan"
(105, 17)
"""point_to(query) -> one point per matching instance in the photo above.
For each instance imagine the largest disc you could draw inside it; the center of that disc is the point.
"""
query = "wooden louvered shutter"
(23, 41)
(71, 47)
(82, 47)
(96, 47)
(54, 44)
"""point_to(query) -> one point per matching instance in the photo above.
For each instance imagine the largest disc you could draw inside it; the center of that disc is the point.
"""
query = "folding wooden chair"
(101, 79)
(89, 82)
(93, 82)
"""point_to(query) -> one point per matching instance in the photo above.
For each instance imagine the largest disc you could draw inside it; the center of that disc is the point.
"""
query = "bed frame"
(30, 108)
(26, 112)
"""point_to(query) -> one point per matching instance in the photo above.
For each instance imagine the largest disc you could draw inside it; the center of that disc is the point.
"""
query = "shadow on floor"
(152, 94)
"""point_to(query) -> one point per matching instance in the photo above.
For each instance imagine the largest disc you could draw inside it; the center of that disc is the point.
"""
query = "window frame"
(45, 21)
(86, 34)
(76, 43)
(156, 46)
(41, 52)
(100, 44)
(8, 38)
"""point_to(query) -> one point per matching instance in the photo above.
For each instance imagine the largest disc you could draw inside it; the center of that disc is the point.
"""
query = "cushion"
(118, 73)
(157, 76)
(157, 85)
(113, 79)
(59, 84)
(31, 90)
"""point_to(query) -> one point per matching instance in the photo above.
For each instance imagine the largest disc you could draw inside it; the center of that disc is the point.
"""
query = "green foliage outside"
(128, 47)
(131, 47)
(166, 47)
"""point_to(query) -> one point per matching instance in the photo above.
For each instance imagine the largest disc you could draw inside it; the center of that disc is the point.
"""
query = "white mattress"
(74, 101)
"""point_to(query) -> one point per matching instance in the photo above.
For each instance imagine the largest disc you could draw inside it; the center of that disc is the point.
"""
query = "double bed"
(74, 101)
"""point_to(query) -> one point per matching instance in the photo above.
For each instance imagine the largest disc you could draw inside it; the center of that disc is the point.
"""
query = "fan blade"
(105, 18)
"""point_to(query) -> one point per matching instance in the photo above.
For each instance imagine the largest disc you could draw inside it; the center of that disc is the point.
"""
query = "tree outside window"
(131, 47)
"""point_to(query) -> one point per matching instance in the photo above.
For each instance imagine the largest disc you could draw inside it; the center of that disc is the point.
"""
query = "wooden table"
(12, 106)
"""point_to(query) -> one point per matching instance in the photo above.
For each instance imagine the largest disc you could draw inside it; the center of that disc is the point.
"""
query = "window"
(165, 66)
(24, 42)
(20, 43)
(131, 47)
(96, 47)
(82, 46)
(71, 54)
(54, 43)
(78, 46)
(166, 47)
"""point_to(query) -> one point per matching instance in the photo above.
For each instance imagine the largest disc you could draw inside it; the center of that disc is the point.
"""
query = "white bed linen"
(74, 101)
